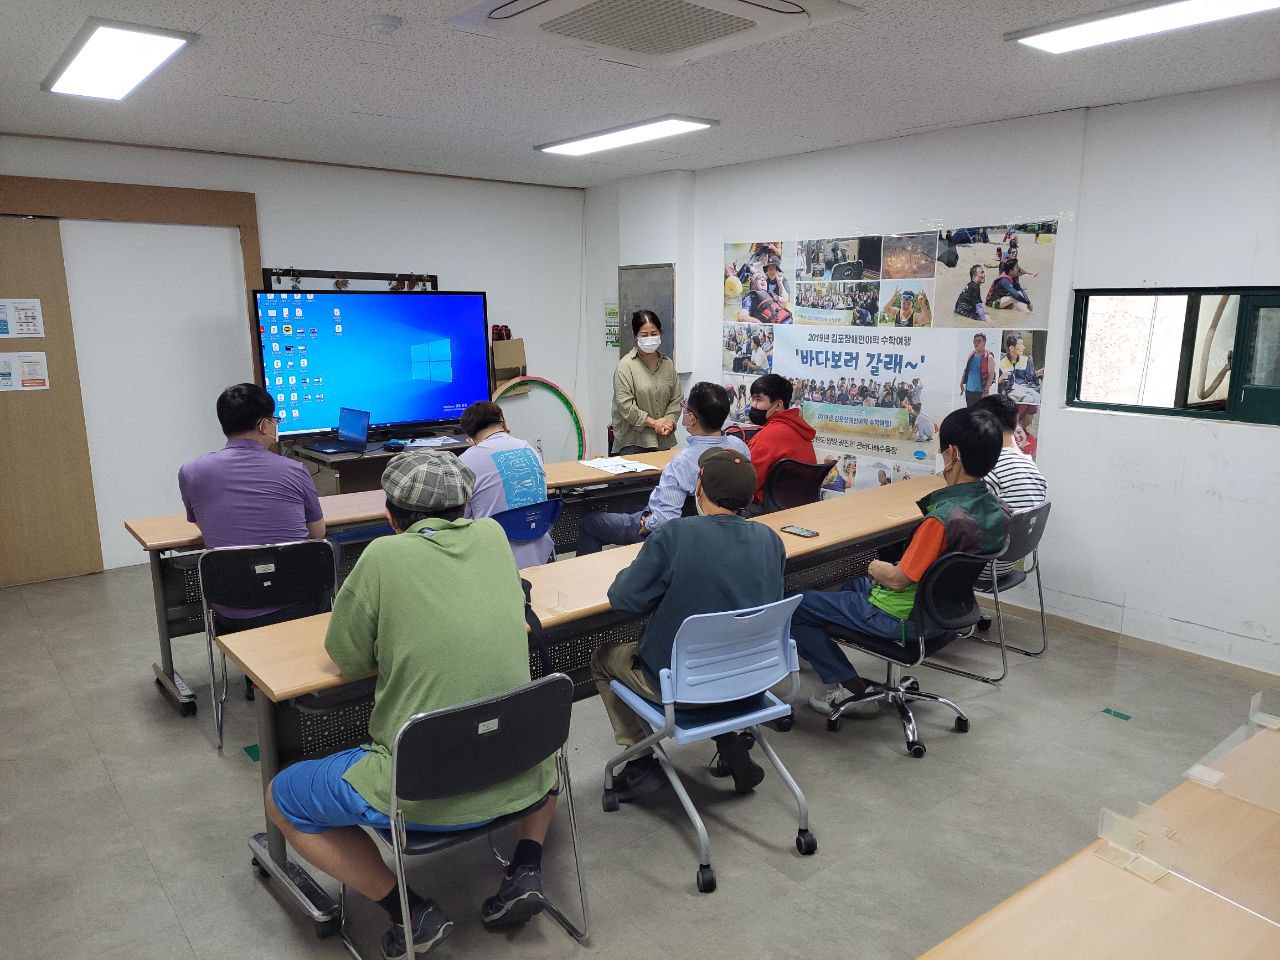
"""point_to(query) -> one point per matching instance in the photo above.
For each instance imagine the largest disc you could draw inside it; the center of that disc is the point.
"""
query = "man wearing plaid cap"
(438, 612)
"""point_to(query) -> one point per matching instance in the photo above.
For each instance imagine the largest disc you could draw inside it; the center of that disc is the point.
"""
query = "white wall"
(523, 245)
(1163, 527)
(161, 327)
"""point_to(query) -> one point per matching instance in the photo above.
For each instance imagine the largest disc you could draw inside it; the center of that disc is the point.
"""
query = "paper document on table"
(431, 442)
(616, 465)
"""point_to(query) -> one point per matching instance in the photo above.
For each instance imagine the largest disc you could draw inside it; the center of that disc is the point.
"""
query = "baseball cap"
(424, 480)
(728, 479)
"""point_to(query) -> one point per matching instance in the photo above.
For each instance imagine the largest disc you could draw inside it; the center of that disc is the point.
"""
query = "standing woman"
(646, 393)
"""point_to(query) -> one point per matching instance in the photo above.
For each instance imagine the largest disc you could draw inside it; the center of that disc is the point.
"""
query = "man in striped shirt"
(1015, 478)
(704, 414)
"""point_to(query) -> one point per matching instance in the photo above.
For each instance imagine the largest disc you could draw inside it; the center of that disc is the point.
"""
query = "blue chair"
(722, 666)
(524, 524)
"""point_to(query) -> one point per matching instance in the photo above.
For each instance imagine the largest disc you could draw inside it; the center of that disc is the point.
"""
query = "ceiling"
(310, 80)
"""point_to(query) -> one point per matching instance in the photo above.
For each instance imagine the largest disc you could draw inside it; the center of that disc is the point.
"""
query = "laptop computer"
(353, 433)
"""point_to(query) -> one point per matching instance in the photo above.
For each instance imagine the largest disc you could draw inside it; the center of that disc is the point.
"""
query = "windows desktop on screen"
(405, 358)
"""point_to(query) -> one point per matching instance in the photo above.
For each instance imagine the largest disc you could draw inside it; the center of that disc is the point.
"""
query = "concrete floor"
(122, 830)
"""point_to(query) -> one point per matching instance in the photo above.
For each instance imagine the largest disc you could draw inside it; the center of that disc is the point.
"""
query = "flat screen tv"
(410, 359)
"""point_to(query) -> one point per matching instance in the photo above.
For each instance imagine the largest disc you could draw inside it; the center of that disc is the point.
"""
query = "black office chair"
(470, 747)
(297, 576)
(791, 483)
(945, 607)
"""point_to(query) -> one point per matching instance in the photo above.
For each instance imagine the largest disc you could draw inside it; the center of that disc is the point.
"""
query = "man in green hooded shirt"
(963, 516)
(437, 611)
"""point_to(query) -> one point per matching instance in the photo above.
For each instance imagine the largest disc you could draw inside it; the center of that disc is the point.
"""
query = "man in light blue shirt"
(509, 474)
(704, 414)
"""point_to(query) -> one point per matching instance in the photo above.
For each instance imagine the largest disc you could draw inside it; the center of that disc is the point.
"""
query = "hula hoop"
(559, 394)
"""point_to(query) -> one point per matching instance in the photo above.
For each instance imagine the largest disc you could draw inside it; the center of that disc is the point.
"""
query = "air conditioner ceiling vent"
(650, 33)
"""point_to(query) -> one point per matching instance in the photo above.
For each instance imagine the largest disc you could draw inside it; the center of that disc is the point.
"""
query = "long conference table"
(352, 521)
(306, 709)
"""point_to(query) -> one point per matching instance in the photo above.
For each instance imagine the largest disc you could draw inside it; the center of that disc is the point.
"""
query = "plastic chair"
(791, 483)
(470, 747)
(525, 524)
(277, 575)
(945, 607)
(724, 664)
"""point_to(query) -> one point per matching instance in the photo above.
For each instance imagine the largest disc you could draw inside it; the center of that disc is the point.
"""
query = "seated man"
(785, 434)
(704, 414)
(508, 473)
(964, 516)
(438, 612)
(244, 495)
(680, 571)
(1015, 479)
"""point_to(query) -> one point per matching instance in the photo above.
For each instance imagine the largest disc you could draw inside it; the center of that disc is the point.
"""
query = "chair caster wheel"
(833, 724)
(327, 928)
(962, 724)
(706, 879)
(609, 801)
(911, 683)
(263, 872)
(248, 689)
(720, 767)
(916, 749)
(806, 843)
(984, 624)
(783, 724)
(748, 739)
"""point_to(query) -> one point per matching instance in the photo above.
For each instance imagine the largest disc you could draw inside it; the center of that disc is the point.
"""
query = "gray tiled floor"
(122, 831)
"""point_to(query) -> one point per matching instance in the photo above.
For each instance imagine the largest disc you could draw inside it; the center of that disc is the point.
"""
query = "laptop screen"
(353, 425)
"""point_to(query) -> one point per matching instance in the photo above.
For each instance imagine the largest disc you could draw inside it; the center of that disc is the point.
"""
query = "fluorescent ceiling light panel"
(107, 60)
(1136, 21)
(626, 136)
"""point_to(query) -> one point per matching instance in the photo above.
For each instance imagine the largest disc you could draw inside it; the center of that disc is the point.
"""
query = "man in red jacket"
(785, 434)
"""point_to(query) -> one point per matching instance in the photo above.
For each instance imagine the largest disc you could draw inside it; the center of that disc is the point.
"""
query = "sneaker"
(735, 750)
(826, 702)
(518, 898)
(639, 778)
(430, 925)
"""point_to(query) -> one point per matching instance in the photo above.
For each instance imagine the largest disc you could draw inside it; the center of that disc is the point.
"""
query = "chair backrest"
(722, 657)
(274, 575)
(743, 431)
(480, 744)
(791, 483)
(522, 524)
(945, 600)
(1026, 527)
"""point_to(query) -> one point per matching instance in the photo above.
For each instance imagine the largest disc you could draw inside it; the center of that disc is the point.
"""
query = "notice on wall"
(612, 318)
(882, 335)
(23, 371)
(21, 318)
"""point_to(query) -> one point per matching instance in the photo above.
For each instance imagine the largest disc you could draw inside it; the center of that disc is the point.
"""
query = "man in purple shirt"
(245, 495)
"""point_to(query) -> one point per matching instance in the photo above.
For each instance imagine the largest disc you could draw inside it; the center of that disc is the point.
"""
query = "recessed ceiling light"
(1137, 20)
(626, 136)
(107, 59)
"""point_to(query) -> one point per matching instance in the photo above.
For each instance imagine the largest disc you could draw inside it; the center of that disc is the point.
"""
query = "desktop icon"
(293, 397)
(279, 381)
(306, 398)
(303, 363)
(274, 329)
(279, 398)
(292, 381)
(275, 348)
(337, 328)
(277, 364)
(288, 329)
(297, 413)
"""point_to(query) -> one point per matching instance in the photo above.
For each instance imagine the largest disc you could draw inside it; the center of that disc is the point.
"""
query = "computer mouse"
(395, 446)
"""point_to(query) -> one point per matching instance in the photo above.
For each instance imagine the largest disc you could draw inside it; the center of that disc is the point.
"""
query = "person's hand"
(665, 427)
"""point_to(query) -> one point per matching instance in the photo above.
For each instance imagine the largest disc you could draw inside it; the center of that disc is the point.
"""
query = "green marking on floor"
(253, 752)
(1117, 714)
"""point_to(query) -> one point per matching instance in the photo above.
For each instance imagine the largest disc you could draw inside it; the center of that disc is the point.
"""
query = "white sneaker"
(830, 698)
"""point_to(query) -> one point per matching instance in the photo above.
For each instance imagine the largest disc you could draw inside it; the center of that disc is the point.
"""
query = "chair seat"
(1009, 578)
(880, 646)
(703, 723)
(421, 842)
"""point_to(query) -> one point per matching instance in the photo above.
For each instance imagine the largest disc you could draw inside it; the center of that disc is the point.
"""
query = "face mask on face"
(648, 344)
(757, 416)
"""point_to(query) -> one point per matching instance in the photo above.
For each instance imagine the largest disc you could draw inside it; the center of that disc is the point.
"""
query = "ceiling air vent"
(648, 33)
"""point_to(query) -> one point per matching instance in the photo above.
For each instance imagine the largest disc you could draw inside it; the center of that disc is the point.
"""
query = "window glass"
(1132, 349)
(1266, 349)
(1210, 357)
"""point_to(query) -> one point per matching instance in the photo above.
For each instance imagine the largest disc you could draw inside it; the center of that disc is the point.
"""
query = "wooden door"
(48, 517)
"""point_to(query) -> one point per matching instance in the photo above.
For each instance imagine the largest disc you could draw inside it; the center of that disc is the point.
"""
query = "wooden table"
(352, 521)
(296, 679)
(1221, 899)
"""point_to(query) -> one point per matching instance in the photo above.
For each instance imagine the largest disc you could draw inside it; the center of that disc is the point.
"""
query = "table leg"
(168, 679)
(270, 855)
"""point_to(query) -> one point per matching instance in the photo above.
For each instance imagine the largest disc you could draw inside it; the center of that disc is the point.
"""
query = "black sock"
(528, 854)
(391, 904)
(857, 686)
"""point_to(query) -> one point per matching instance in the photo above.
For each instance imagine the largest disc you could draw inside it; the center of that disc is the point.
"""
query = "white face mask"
(648, 344)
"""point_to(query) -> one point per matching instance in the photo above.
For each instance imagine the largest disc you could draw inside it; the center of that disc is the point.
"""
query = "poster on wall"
(21, 318)
(882, 336)
(23, 371)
